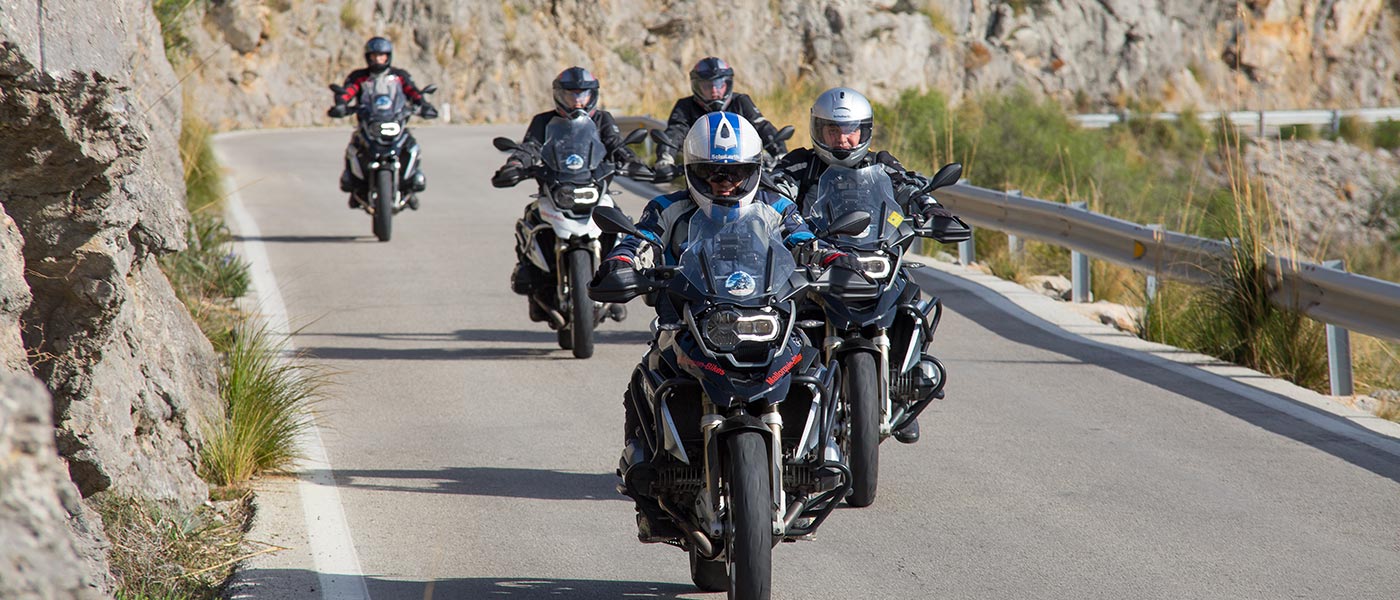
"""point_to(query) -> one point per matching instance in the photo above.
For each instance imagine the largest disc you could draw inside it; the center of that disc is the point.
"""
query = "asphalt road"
(474, 459)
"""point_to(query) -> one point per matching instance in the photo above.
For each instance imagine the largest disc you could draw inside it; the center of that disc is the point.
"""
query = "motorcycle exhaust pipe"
(701, 541)
(555, 319)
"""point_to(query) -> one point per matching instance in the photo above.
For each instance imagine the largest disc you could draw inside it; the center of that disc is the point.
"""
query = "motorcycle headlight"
(568, 196)
(724, 329)
(389, 129)
(877, 267)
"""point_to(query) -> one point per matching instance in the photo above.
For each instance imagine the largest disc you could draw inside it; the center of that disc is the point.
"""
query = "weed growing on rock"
(159, 554)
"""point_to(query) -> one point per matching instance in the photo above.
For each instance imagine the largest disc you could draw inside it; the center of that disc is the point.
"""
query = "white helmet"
(722, 147)
(847, 111)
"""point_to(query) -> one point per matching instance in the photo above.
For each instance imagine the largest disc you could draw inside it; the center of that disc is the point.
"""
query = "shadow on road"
(538, 484)
(306, 239)
(343, 353)
(1136, 366)
(515, 336)
(256, 583)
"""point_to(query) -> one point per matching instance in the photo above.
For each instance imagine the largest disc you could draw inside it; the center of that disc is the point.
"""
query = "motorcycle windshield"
(741, 260)
(842, 191)
(572, 149)
(382, 99)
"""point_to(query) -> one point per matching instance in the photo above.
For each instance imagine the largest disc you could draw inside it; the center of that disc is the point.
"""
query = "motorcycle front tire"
(581, 321)
(384, 205)
(862, 396)
(750, 548)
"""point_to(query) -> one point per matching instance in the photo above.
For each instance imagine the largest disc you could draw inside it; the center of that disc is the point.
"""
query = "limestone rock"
(1326, 191)
(93, 182)
(14, 297)
(1058, 287)
(43, 555)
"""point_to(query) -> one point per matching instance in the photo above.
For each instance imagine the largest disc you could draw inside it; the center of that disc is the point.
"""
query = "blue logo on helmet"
(724, 137)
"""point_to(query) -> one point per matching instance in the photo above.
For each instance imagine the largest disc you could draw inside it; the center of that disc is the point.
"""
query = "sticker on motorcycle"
(739, 284)
(895, 218)
(574, 162)
(382, 102)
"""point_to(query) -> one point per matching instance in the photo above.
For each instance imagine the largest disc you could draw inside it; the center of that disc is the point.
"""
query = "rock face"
(1326, 192)
(40, 509)
(90, 113)
(267, 62)
(14, 297)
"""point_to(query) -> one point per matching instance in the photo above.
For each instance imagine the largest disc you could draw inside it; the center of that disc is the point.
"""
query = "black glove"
(616, 267)
(665, 173)
(339, 110)
(508, 175)
(427, 111)
(846, 262)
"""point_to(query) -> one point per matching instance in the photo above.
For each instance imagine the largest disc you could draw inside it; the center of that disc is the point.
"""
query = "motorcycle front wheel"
(750, 545)
(862, 394)
(581, 322)
(384, 204)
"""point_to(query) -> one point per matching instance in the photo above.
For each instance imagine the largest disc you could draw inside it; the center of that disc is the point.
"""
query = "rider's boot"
(347, 181)
(526, 278)
(909, 433)
(617, 312)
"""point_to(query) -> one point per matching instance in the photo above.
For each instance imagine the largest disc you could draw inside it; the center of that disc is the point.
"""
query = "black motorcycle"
(738, 418)
(878, 332)
(383, 157)
(573, 172)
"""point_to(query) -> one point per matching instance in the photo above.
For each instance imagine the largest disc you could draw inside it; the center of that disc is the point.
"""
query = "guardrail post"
(1336, 121)
(967, 251)
(1261, 125)
(1338, 350)
(446, 113)
(1079, 267)
(1151, 287)
(1014, 246)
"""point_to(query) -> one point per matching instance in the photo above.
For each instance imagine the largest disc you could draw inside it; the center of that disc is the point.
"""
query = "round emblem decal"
(739, 284)
(574, 162)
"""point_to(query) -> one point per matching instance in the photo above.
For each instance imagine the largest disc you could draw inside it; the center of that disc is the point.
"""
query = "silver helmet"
(836, 115)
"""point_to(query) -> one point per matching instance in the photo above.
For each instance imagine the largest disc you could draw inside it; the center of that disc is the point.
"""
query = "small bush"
(172, 33)
(1386, 134)
(160, 555)
(350, 16)
(268, 402)
(1353, 131)
(1297, 132)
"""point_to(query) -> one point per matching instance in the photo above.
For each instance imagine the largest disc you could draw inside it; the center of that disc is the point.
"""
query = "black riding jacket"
(608, 133)
(687, 111)
(797, 174)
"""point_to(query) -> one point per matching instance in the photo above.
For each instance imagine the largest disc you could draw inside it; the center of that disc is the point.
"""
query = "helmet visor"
(574, 98)
(841, 135)
(712, 89)
(723, 181)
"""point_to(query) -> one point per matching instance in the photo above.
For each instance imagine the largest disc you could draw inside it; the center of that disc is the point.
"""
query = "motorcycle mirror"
(505, 144)
(659, 137)
(611, 219)
(852, 223)
(948, 175)
(637, 135)
(784, 134)
(337, 89)
(430, 89)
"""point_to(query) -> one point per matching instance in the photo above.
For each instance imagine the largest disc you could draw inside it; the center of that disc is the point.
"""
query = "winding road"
(469, 457)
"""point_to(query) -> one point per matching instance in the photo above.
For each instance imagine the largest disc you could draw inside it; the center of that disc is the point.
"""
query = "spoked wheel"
(708, 575)
(749, 553)
(384, 205)
(862, 393)
(581, 324)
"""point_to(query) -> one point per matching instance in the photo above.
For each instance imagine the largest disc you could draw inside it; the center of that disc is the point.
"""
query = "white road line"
(332, 548)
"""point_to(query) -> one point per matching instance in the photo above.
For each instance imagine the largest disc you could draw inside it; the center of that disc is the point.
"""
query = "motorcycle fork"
(710, 503)
(561, 277)
(881, 339)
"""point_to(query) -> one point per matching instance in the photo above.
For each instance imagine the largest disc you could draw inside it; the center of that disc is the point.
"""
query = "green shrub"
(1353, 131)
(157, 554)
(1386, 134)
(1297, 132)
(268, 403)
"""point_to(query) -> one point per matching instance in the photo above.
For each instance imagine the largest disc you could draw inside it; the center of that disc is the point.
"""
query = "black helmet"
(712, 73)
(378, 45)
(572, 84)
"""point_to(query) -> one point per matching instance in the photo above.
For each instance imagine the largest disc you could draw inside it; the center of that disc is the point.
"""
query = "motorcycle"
(878, 332)
(739, 424)
(382, 162)
(573, 173)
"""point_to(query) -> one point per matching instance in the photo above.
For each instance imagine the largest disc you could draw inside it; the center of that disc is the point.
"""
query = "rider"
(842, 125)
(722, 172)
(575, 95)
(379, 54)
(712, 87)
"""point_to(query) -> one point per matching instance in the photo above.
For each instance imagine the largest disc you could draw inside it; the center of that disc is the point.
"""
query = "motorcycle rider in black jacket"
(712, 87)
(379, 54)
(575, 94)
(841, 128)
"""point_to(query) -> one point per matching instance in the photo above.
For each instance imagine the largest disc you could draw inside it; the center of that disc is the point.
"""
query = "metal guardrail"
(1355, 302)
(1259, 120)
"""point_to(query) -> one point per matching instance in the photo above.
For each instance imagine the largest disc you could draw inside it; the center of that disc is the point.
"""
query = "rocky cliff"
(92, 191)
(266, 62)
